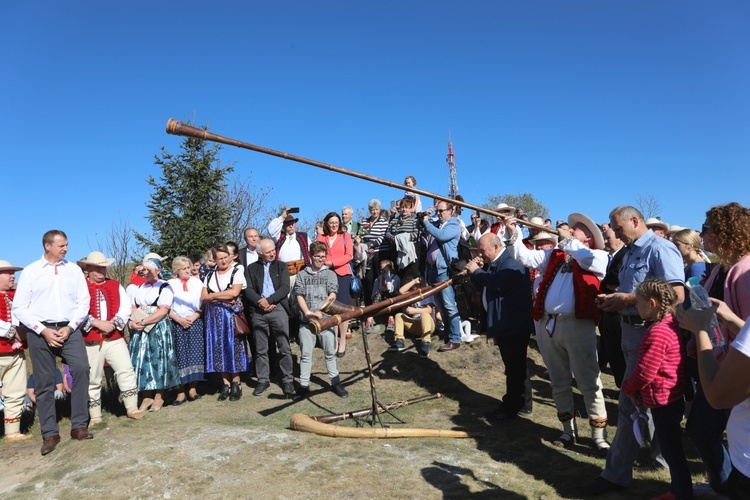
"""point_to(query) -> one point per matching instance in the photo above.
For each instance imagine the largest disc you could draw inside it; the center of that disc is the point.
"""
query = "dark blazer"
(612, 280)
(254, 274)
(509, 302)
(243, 255)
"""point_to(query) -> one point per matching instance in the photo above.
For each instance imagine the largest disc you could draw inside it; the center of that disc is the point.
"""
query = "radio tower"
(450, 160)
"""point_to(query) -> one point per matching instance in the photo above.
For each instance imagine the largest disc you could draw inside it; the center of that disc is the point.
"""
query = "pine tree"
(187, 209)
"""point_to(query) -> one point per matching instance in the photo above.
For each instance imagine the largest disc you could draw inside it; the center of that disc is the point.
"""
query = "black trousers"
(610, 331)
(513, 352)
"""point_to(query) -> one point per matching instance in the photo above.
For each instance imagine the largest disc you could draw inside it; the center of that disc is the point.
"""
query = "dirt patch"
(245, 449)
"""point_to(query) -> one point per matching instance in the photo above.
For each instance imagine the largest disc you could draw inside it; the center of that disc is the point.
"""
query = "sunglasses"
(441, 210)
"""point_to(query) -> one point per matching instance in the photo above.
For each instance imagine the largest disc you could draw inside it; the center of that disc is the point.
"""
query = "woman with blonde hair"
(187, 328)
(688, 242)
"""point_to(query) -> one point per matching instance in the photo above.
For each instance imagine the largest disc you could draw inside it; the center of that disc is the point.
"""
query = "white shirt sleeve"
(274, 228)
(125, 306)
(591, 260)
(534, 259)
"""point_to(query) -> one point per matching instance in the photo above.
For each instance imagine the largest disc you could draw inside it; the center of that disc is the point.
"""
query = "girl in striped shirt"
(656, 382)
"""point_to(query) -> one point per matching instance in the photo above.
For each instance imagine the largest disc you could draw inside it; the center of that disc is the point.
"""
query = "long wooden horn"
(176, 127)
(305, 423)
(383, 307)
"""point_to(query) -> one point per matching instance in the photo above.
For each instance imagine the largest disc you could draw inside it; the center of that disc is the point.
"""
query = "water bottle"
(699, 300)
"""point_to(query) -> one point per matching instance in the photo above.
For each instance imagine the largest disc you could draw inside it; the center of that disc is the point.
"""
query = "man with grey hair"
(267, 292)
(351, 225)
(506, 296)
(647, 256)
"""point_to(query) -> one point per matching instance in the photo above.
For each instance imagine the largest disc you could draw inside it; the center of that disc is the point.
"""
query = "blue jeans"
(446, 302)
(669, 433)
(705, 426)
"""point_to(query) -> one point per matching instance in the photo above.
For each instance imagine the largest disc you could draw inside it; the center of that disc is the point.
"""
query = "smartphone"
(293, 210)
(393, 203)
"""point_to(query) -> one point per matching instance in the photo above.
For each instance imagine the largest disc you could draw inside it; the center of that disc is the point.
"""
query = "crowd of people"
(618, 293)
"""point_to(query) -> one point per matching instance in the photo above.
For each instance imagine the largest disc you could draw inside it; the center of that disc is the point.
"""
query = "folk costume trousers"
(13, 375)
(115, 352)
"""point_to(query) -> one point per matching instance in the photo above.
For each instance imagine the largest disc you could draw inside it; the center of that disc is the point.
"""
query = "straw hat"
(7, 266)
(542, 236)
(537, 220)
(576, 218)
(504, 207)
(96, 258)
(153, 255)
(653, 222)
(675, 228)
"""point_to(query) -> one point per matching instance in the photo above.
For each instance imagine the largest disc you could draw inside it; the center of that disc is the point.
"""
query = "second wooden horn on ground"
(341, 312)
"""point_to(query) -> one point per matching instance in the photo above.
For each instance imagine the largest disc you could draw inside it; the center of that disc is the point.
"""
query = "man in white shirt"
(249, 253)
(52, 300)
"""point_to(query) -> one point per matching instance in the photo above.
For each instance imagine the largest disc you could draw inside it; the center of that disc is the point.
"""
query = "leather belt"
(631, 320)
(52, 324)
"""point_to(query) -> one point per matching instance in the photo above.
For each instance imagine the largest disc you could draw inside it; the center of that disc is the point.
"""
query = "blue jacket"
(448, 238)
(509, 303)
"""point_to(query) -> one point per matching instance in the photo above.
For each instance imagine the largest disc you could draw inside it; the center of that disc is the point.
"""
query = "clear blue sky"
(584, 104)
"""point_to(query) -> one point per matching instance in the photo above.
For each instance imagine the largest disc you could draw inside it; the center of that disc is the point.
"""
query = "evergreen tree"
(187, 209)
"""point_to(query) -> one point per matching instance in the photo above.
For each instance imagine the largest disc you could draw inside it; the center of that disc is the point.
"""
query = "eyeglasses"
(441, 210)
(705, 228)
(319, 257)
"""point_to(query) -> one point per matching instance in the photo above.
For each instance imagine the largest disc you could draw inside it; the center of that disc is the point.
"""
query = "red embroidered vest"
(110, 290)
(585, 288)
(6, 301)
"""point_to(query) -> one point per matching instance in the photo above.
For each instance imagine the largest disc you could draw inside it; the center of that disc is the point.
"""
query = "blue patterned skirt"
(225, 352)
(190, 346)
(153, 356)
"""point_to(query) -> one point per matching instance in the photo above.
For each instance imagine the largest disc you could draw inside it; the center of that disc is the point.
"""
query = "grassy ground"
(245, 449)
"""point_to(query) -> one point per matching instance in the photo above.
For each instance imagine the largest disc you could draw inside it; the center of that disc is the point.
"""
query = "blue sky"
(587, 105)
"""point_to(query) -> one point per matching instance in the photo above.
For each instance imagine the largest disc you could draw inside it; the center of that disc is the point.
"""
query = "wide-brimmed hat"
(504, 207)
(290, 219)
(579, 218)
(96, 258)
(544, 235)
(652, 222)
(7, 266)
(675, 228)
(537, 220)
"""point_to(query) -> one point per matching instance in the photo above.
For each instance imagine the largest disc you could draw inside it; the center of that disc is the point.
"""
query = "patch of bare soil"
(246, 449)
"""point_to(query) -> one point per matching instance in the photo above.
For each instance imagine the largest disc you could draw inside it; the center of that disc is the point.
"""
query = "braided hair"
(662, 292)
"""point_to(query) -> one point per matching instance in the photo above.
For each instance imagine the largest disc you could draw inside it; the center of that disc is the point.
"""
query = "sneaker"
(398, 345)
(302, 391)
(469, 338)
(289, 389)
(339, 390)
(368, 326)
(391, 326)
(261, 388)
(424, 351)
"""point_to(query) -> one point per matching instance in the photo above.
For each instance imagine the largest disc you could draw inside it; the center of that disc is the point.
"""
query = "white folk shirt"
(290, 249)
(51, 293)
(185, 303)
(147, 293)
(560, 297)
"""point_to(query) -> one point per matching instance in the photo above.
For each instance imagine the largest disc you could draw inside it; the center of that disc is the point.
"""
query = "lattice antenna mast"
(450, 160)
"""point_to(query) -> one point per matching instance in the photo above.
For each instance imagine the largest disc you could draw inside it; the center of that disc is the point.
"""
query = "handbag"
(355, 287)
(240, 324)
(139, 314)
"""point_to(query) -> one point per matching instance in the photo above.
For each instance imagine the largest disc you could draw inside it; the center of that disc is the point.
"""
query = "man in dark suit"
(249, 253)
(610, 329)
(506, 297)
(267, 292)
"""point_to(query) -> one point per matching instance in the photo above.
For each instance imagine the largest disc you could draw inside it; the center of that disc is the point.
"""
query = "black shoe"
(303, 391)
(339, 390)
(289, 389)
(224, 394)
(500, 415)
(236, 392)
(598, 486)
(178, 402)
(424, 350)
(261, 388)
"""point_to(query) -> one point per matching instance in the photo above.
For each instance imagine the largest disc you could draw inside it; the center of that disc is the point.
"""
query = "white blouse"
(186, 302)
